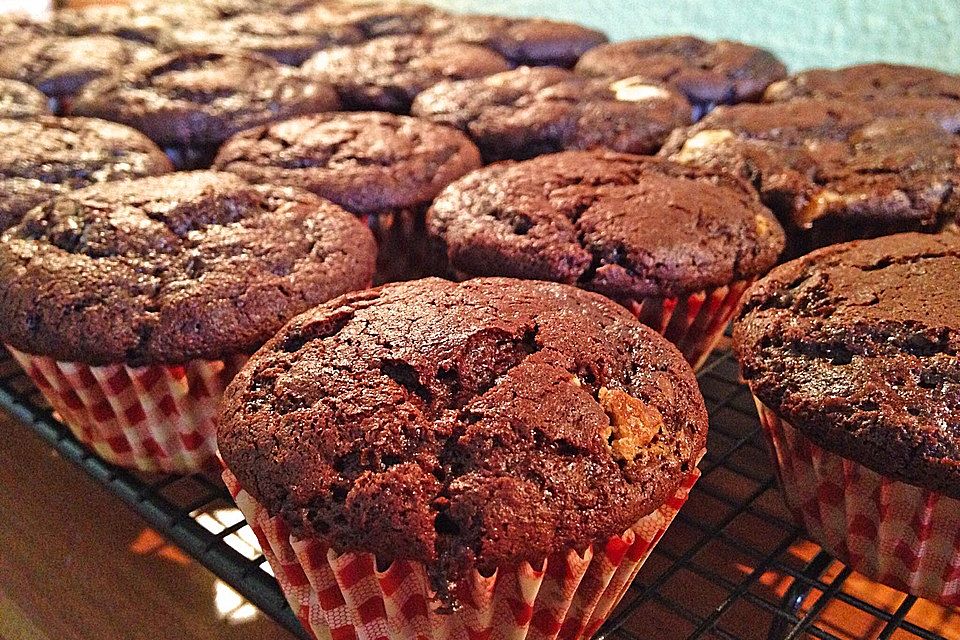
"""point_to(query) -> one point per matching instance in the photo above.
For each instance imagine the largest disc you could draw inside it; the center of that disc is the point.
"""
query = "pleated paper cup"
(893, 532)
(344, 596)
(694, 323)
(152, 418)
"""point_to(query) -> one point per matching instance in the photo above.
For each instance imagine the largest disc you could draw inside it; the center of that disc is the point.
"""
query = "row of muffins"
(451, 432)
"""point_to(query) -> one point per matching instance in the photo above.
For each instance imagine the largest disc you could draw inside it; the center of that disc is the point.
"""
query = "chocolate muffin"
(47, 156)
(193, 265)
(708, 73)
(654, 235)
(382, 167)
(856, 345)
(865, 81)
(467, 427)
(286, 39)
(19, 28)
(191, 101)
(852, 355)
(386, 74)
(528, 111)
(522, 41)
(20, 100)
(138, 20)
(61, 67)
(836, 170)
(376, 18)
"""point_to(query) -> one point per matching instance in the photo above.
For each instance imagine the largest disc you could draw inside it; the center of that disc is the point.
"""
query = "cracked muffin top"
(140, 20)
(376, 18)
(622, 225)
(875, 167)
(60, 66)
(45, 156)
(173, 268)
(466, 426)
(722, 72)
(865, 81)
(287, 39)
(368, 163)
(21, 28)
(527, 112)
(530, 41)
(386, 74)
(203, 96)
(858, 346)
(20, 100)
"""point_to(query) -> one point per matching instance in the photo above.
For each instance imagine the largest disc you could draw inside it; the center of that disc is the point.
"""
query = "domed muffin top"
(466, 426)
(722, 72)
(20, 100)
(530, 111)
(203, 96)
(865, 81)
(43, 156)
(386, 74)
(893, 160)
(622, 225)
(858, 346)
(368, 163)
(172, 268)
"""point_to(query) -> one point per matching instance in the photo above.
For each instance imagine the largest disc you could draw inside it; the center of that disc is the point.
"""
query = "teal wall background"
(804, 34)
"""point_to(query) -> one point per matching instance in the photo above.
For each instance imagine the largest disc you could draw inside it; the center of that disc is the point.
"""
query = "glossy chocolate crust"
(203, 96)
(709, 73)
(529, 111)
(835, 170)
(866, 81)
(173, 268)
(466, 426)
(858, 347)
(368, 163)
(625, 226)
(45, 156)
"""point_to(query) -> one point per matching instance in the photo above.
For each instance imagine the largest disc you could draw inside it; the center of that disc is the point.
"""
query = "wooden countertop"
(76, 564)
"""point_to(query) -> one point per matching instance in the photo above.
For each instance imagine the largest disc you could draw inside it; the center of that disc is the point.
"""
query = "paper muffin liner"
(152, 418)
(893, 532)
(345, 596)
(695, 323)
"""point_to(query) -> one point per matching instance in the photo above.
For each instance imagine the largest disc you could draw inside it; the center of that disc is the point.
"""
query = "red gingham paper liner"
(153, 418)
(695, 323)
(890, 531)
(345, 597)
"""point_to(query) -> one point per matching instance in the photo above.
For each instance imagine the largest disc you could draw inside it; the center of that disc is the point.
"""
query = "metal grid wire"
(733, 566)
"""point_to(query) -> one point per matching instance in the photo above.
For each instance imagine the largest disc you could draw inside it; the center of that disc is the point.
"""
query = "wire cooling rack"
(733, 566)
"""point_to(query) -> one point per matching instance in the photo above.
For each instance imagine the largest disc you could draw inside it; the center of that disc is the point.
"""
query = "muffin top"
(386, 74)
(466, 426)
(44, 156)
(368, 163)
(857, 346)
(203, 96)
(286, 39)
(20, 28)
(140, 20)
(622, 225)
(61, 66)
(865, 81)
(20, 100)
(816, 160)
(376, 18)
(528, 111)
(721, 72)
(192, 265)
(530, 41)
